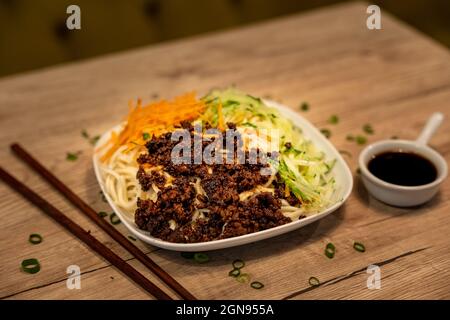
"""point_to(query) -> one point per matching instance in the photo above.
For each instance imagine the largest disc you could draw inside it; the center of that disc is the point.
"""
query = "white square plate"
(341, 172)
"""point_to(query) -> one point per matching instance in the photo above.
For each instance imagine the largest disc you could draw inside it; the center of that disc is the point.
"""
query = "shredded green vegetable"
(234, 273)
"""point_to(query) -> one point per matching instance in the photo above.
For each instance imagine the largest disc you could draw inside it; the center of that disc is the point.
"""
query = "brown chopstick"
(83, 235)
(92, 214)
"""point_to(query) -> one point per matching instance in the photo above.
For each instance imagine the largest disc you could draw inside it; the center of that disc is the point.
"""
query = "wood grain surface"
(392, 78)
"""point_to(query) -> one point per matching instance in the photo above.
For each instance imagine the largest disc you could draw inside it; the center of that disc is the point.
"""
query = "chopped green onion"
(314, 282)
(132, 238)
(145, 136)
(330, 250)
(248, 124)
(103, 196)
(368, 129)
(238, 264)
(201, 257)
(31, 266)
(243, 278)
(234, 273)
(35, 238)
(350, 137)
(84, 133)
(359, 247)
(304, 106)
(102, 214)
(334, 119)
(326, 132)
(187, 255)
(361, 139)
(230, 103)
(72, 156)
(257, 285)
(114, 218)
(254, 98)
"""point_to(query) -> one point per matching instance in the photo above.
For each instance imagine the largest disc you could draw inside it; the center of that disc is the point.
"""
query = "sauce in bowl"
(403, 168)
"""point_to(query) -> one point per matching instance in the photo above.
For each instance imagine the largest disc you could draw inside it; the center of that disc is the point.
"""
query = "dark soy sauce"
(403, 168)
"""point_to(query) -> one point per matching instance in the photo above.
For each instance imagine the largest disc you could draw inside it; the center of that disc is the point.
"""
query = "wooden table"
(393, 78)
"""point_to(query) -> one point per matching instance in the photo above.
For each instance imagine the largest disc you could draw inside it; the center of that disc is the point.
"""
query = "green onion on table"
(304, 106)
(330, 250)
(334, 119)
(114, 219)
(238, 264)
(201, 257)
(243, 278)
(359, 247)
(257, 285)
(234, 273)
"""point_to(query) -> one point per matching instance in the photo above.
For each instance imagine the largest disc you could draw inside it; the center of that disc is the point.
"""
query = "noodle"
(302, 168)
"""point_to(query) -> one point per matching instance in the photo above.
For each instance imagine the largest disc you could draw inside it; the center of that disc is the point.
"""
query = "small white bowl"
(405, 196)
(341, 172)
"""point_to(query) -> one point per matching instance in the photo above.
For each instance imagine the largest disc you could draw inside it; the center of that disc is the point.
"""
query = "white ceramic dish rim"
(308, 129)
(408, 145)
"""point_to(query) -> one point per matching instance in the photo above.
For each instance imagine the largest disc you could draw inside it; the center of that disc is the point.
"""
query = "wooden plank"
(393, 78)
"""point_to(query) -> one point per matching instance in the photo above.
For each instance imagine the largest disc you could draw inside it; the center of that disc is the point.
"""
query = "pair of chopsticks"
(85, 236)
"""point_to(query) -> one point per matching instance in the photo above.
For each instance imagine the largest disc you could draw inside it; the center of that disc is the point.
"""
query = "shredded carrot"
(153, 120)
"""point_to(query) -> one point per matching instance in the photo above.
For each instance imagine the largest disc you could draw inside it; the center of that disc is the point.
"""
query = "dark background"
(33, 33)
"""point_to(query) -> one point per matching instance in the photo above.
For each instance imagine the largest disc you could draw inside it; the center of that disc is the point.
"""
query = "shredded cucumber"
(301, 166)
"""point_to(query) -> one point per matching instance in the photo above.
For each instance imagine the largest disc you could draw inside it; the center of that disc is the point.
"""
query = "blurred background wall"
(33, 33)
